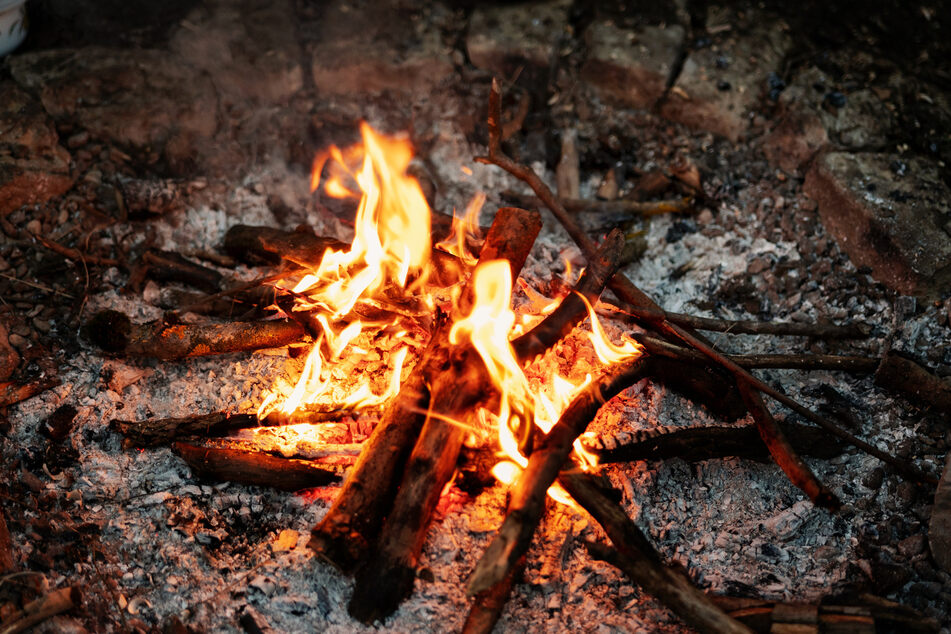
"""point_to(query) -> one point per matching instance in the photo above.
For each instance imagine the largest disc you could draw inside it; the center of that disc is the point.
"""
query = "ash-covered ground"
(151, 546)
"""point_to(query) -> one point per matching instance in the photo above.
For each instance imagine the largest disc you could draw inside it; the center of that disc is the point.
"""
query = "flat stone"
(794, 141)
(721, 83)
(34, 167)
(505, 38)
(898, 226)
(939, 529)
(369, 47)
(144, 100)
(249, 48)
(630, 66)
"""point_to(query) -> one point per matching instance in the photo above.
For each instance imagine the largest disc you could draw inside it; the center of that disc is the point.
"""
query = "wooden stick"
(253, 467)
(167, 266)
(388, 575)
(641, 306)
(631, 207)
(41, 609)
(918, 384)
(114, 332)
(821, 331)
(346, 533)
(528, 496)
(706, 443)
(639, 561)
(74, 254)
(572, 309)
(160, 431)
(254, 245)
(866, 615)
(783, 453)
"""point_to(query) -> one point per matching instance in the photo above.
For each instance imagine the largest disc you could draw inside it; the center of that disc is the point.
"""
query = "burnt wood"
(218, 464)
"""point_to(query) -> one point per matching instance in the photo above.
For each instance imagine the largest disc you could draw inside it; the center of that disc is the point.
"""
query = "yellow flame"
(463, 229)
(391, 246)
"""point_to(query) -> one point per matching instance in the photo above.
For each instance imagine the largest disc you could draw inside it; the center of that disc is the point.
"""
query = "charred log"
(114, 332)
(256, 468)
(693, 444)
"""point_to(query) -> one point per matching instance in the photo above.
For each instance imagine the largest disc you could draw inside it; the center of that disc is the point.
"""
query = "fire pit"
(578, 351)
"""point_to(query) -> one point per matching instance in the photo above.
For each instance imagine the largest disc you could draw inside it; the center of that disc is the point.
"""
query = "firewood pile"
(320, 409)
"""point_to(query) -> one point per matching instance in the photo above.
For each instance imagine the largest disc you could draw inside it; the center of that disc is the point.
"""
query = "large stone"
(372, 46)
(33, 165)
(505, 38)
(854, 120)
(248, 47)
(144, 100)
(898, 226)
(939, 529)
(630, 67)
(721, 83)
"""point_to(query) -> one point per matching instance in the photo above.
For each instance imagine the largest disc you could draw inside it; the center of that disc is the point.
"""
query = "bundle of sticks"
(377, 525)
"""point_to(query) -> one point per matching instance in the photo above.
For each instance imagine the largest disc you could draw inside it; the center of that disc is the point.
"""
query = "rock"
(795, 140)
(939, 529)
(387, 59)
(630, 67)
(143, 99)
(33, 165)
(744, 59)
(249, 48)
(896, 226)
(507, 37)
(9, 358)
(911, 546)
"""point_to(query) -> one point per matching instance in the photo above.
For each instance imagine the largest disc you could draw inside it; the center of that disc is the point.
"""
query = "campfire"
(458, 370)
(445, 373)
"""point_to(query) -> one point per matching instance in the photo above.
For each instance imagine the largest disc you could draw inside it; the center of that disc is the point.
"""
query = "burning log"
(114, 332)
(573, 308)
(528, 496)
(693, 444)
(352, 524)
(635, 555)
(866, 615)
(220, 464)
(388, 575)
(41, 609)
